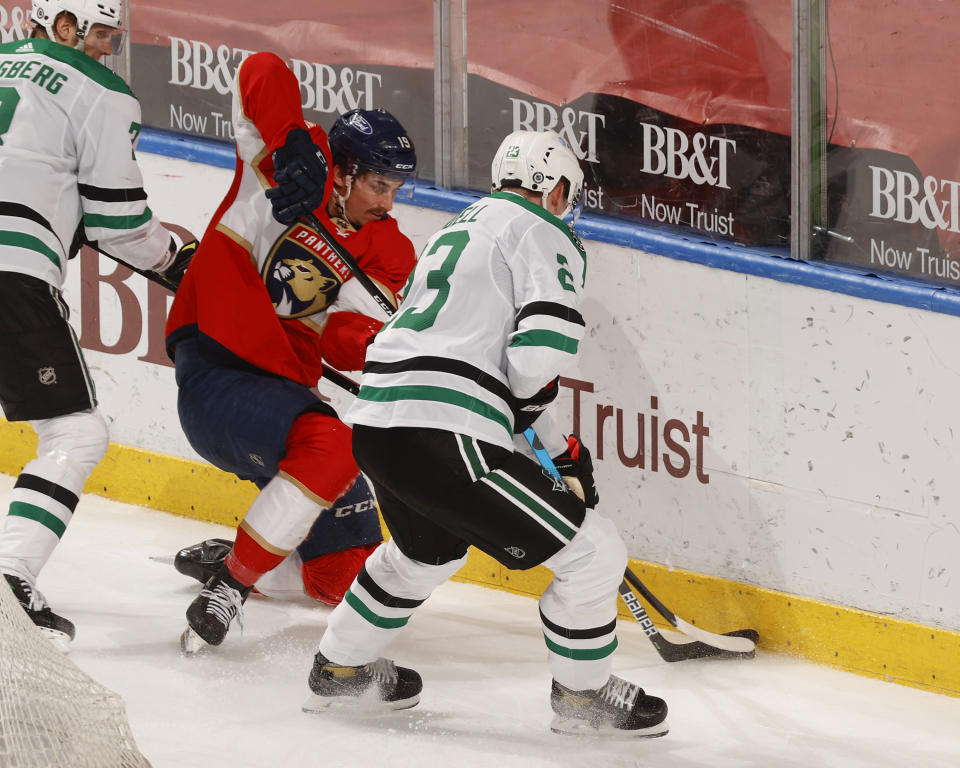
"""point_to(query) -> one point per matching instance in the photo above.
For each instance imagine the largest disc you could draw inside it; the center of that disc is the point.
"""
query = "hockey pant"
(317, 459)
(439, 493)
(272, 431)
(47, 491)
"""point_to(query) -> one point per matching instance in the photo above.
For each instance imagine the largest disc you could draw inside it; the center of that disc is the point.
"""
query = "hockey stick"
(740, 643)
(153, 277)
(347, 258)
(344, 382)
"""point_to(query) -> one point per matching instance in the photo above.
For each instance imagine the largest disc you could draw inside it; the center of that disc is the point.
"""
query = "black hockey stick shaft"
(347, 258)
(153, 277)
(739, 643)
(344, 382)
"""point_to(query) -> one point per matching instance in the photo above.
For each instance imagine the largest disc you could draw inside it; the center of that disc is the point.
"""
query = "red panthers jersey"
(276, 295)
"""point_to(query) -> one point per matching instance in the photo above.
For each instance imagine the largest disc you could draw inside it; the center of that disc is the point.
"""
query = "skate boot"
(201, 560)
(55, 627)
(619, 708)
(381, 684)
(210, 614)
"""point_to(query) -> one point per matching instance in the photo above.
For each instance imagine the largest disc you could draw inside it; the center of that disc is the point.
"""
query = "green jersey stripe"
(581, 654)
(544, 214)
(38, 514)
(117, 222)
(469, 450)
(70, 56)
(531, 504)
(31, 243)
(378, 621)
(438, 394)
(540, 338)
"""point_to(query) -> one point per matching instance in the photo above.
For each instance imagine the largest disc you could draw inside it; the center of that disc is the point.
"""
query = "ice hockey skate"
(58, 629)
(202, 560)
(209, 615)
(381, 684)
(619, 708)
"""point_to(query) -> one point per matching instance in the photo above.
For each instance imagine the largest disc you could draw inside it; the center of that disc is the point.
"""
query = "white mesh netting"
(52, 713)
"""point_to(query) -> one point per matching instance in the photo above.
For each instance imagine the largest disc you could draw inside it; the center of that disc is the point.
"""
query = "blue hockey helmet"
(372, 140)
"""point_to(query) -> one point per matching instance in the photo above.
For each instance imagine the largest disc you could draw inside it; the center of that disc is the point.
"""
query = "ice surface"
(485, 700)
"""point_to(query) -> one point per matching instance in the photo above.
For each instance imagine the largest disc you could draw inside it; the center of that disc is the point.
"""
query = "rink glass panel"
(883, 154)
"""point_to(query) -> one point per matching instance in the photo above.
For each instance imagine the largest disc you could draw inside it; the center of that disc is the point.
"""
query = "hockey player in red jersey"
(266, 302)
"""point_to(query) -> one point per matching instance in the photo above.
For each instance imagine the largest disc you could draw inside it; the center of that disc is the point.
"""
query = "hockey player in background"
(264, 303)
(489, 319)
(68, 127)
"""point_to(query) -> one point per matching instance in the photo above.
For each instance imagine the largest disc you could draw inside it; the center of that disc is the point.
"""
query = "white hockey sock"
(579, 609)
(284, 581)
(48, 489)
(379, 603)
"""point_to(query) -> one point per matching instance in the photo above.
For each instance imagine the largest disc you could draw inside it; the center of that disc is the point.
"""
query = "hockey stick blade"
(741, 641)
(668, 650)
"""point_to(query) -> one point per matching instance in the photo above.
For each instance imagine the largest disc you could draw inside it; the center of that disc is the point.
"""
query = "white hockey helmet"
(537, 160)
(87, 13)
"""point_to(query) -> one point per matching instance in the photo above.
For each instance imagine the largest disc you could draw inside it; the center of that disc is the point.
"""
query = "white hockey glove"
(182, 255)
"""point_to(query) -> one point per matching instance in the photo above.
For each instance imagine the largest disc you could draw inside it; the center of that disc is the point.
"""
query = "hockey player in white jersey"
(68, 128)
(491, 316)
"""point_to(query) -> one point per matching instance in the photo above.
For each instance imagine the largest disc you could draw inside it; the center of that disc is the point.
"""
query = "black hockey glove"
(173, 274)
(300, 171)
(576, 468)
(525, 412)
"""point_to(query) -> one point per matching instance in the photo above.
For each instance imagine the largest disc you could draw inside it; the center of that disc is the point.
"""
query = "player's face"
(102, 41)
(371, 197)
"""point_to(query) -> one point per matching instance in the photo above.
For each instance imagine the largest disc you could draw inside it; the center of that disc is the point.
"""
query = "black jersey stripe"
(108, 195)
(48, 488)
(382, 596)
(578, 634)
(444, 365)
(25, 212)
(551, 308)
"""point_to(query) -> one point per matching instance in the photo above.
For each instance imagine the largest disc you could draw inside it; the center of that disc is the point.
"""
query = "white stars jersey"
(491, 313)
(68, 127)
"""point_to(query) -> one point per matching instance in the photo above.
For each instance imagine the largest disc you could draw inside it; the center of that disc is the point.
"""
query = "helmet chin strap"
(340, 200)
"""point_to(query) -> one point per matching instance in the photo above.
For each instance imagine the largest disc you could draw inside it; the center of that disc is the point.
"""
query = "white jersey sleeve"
(68, 127)
(115, 212)
(549, 274)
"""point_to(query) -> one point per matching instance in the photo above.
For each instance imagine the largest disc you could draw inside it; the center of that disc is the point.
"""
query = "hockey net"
(52, 713)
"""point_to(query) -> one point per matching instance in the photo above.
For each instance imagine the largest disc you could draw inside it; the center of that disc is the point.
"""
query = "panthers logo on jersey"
(302, 273)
